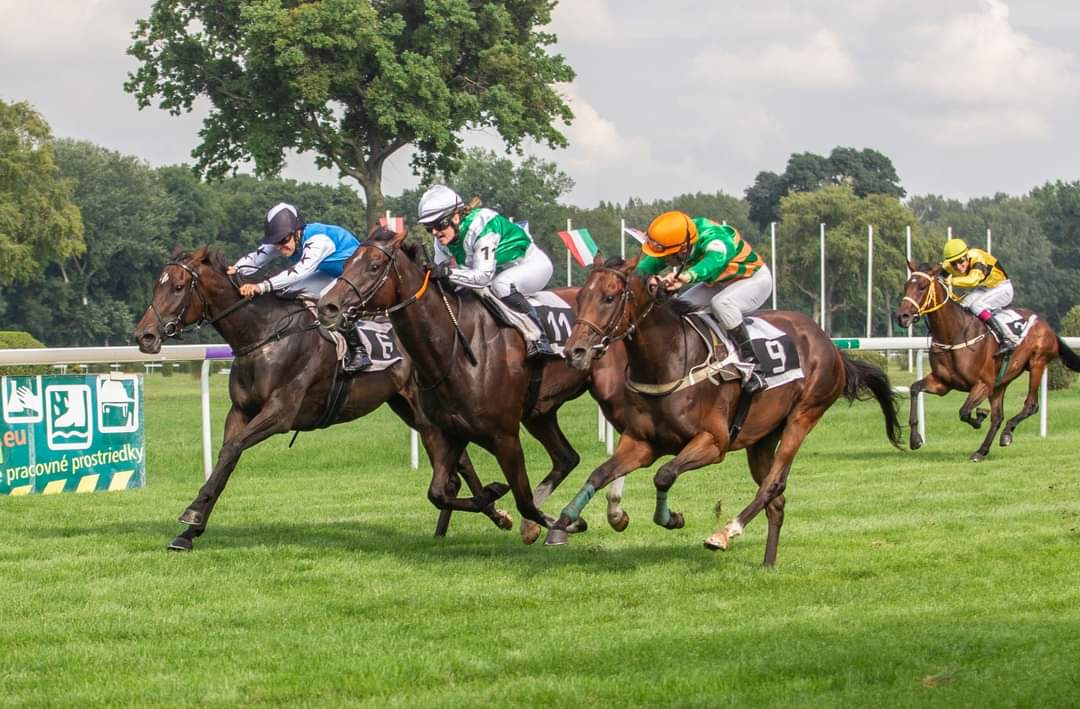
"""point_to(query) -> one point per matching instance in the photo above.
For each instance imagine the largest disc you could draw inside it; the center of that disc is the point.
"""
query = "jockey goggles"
(441, 224)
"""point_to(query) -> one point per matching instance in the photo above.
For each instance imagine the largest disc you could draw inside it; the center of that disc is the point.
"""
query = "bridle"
(930, 302)
(176, 327)
(607, 332)
(355, 311)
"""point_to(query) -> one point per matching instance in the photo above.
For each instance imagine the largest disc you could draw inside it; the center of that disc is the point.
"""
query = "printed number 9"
(776, 354)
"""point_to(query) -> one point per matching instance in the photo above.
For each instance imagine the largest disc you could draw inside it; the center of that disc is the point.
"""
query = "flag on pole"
(636, 233)
(580, 244)
(394, 224)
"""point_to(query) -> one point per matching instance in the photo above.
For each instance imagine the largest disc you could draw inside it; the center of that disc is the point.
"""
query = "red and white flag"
(394, 224)
(636, 233)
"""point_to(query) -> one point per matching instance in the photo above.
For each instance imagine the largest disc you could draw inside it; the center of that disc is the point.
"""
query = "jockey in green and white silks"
(478, 247)
(727, 275)
(317, 252)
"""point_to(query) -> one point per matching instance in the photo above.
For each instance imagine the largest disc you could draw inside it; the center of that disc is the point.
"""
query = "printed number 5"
(776, 354)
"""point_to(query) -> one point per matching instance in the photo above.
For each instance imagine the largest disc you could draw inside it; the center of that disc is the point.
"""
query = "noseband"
(930, 302)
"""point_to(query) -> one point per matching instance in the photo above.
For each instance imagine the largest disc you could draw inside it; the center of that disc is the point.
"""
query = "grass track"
(904, 579)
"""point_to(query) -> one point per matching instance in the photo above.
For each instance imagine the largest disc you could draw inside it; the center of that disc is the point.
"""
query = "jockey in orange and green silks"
(724, 271)
(990, 287)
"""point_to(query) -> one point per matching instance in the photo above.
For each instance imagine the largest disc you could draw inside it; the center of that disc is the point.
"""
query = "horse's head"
(610, 305)
(179, 299)
(923, 293)
(368, 283)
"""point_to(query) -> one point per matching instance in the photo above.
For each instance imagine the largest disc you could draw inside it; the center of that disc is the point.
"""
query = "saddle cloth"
(1016, 323)
(773, 347)
(376, 335)
(556, 315)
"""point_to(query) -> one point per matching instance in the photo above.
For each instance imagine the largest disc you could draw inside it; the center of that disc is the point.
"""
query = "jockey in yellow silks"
(989, 286)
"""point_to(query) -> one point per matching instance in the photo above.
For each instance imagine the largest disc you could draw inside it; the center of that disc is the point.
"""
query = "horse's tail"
(863, 381)
(1069, 358)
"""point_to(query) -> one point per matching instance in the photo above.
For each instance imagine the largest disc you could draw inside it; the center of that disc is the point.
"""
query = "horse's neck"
(246, 323)
(949, 322)
(660, 349)
(424, 327)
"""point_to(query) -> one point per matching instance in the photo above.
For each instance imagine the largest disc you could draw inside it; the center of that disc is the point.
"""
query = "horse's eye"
(373, 267)
(178, 287)
(609, 297)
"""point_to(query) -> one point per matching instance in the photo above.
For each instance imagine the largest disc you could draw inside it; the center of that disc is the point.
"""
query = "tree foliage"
(866, 171)
(352, 81)
(39, 223)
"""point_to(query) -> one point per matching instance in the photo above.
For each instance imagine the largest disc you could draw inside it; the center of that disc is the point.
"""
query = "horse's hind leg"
(702, 450)
(1031, 402)
(445, 453)
(930, 385)
(996, 415)
(545, 429)
(760, 457)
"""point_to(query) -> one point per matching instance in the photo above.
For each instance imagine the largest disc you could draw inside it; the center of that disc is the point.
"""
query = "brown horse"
(282, 377)
(963, 356)
(693, 421)
(474, 383)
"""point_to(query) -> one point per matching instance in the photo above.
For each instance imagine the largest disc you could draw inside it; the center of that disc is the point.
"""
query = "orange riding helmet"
(669, 233)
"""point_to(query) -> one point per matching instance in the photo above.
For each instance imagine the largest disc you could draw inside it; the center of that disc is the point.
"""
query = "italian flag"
(580, 244)
(394, 224)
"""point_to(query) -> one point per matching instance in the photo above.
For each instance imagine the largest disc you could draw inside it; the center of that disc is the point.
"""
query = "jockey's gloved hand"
(440, 271)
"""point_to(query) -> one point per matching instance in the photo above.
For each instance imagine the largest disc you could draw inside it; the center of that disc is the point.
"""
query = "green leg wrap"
(573, 510)
(662, 516)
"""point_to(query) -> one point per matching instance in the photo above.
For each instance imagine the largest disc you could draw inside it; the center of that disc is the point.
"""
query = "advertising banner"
(71, 433)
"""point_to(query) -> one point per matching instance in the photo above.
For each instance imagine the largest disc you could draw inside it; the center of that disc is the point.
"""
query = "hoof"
(193, 518)
(530, 531)
(503, 519)
(619, 522)
(976, 457)
(677, 521)
(916, 442)
(1006, 440)
(578, 526)
(718, 541)
(555, 537)
(180, 544)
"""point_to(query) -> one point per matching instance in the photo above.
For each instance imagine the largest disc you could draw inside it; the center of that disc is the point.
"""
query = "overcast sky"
(967, 97)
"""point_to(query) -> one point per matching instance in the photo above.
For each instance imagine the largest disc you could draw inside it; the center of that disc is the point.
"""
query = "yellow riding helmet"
(668, 233)
(954, 249)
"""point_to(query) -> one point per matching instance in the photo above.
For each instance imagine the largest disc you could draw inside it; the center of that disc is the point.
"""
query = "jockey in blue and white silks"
(317, 253)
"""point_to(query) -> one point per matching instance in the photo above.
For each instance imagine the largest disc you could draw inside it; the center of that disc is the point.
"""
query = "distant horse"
(474, 383)
(283, 377)
(962, 356)
(671, 413)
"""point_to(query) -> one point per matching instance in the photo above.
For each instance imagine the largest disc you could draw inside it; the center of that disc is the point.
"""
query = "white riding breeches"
(528, 274)
(996, 298)
(311, 287)
(734, 300)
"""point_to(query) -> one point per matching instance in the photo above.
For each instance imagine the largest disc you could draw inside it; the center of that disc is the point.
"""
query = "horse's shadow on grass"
(598, 550)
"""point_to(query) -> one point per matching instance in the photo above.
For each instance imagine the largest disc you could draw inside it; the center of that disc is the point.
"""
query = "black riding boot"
(756, 381)
(356, 359)
(521, 304)
(1006, 342)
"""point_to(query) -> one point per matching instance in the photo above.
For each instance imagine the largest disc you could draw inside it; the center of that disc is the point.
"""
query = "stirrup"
(754, 383)
(539, 348)
(358, 362)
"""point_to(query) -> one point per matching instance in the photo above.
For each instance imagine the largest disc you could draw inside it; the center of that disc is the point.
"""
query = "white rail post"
(601, 423)
(1044, 386)
(204, 390)
(921, 408)
(568, 228)
(823, 321)
(610, 439)
(414, 449)
(772, 258)
(910, 358)
(622, 239)
(869, 277)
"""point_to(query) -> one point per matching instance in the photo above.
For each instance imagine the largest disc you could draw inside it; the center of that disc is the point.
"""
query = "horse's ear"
(912, 267)
(598, 260)
(398, 239)
(631, 264)
(177, 251)
(201, 255)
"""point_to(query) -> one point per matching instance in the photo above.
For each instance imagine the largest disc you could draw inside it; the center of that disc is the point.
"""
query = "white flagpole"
(821, 320)
(950, 232)
(910, 363)
(869, 276)
(989, 246)
(622, 239)
(568, 228)
(772, 257)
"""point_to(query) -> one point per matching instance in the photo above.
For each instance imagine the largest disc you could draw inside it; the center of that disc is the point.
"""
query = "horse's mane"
(381, 235)
(214, 258)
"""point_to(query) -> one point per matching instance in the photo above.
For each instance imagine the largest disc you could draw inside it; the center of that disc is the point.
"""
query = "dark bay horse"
(473, 380)
(281, 379)
(962, 356)
(694, 423)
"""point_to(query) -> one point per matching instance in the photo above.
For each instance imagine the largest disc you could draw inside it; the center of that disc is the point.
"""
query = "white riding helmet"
(439, 201)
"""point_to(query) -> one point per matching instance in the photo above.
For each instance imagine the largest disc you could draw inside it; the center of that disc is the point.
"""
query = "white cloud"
(973, 128)
(589, 21)
(64, 27)
(818, 61)
(979, 58)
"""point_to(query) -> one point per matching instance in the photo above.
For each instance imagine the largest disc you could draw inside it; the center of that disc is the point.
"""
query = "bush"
(18, 340)
(1060, 376)
(875, 358)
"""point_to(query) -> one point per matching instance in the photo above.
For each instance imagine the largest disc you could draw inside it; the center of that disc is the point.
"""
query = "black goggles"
(441, 224)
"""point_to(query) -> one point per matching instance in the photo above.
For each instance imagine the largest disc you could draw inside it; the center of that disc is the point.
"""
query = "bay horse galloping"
(283, 375)
(474, 382)
(668, 412)
(964, 356)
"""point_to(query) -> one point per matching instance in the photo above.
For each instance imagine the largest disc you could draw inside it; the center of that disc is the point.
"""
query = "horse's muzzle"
(330, 316)
(579, 357)
(148, 341)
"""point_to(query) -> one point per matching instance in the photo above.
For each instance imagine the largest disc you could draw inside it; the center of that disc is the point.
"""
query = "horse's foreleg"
(507, 450)
(702, 450)
(979, 392)
(798, 426)
(1031, 401)
(997, 406)
(760, 457)
(545, 428)
(630, 454)
(240, 434)
(445, 453)
(617, 517)
(465, 469)
(930, 385)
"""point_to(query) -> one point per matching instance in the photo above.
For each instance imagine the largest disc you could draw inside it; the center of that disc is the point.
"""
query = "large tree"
(39, 223)
(352, 81)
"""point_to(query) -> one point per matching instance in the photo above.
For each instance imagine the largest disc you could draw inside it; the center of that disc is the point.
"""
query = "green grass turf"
(904, 579)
